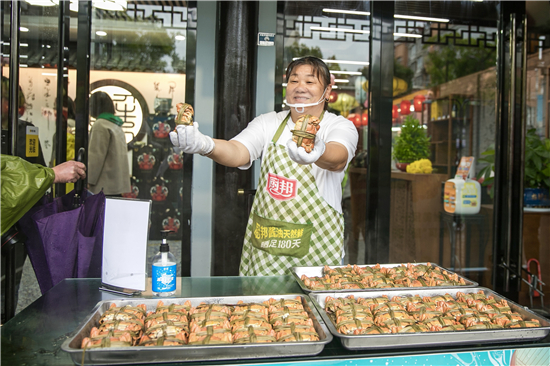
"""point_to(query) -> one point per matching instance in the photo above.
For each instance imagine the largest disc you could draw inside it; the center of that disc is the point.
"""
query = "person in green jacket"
(23, 184)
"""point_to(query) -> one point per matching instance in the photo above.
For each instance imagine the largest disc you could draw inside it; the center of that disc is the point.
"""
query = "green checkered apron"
(290, 224)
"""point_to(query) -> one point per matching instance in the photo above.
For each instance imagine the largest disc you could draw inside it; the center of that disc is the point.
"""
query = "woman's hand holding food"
(299, 154)
(191, 140)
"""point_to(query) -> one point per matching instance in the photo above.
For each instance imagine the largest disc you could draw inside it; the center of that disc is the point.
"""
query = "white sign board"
(125, 236)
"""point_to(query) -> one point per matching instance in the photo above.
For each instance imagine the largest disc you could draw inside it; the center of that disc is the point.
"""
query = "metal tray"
(297, 272)
(433, 339)
(142, 354)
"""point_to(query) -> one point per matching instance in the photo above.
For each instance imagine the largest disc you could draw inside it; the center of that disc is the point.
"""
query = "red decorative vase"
(402, 166)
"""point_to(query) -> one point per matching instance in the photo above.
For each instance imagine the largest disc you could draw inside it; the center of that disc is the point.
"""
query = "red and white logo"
(281, 188)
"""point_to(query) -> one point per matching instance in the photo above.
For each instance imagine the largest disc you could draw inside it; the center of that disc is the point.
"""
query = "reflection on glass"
(37, 72)
(339, 35)
(444, 91)
(138, 57)
(536, 216)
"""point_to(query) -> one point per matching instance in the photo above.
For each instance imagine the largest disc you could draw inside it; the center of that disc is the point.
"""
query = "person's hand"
(69, 172)
(299, 154)
(191, 141)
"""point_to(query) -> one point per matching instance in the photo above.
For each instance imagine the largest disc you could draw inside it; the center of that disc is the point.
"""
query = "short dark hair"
(71, 108)
(101, 102)
(320, 69)
(6, 92)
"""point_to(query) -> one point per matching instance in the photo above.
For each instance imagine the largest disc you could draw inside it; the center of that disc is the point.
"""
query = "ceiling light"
(341, 80)
(116, 5)
(101, 33)
(407, 35)
(42, 2)
(340, 30)
(345, 72)
(23, 29)
(345, 62)
(339, 62)
(340, 11)
(426, 19)
(180, 38)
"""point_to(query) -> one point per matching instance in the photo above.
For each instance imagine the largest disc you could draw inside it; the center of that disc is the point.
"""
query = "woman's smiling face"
(304, 87)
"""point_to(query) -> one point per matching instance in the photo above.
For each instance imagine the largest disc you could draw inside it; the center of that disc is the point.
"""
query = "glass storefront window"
(443, 111)
(444, 77)
(338, 33)
(38, 58)
(536, 216)
(138, 57)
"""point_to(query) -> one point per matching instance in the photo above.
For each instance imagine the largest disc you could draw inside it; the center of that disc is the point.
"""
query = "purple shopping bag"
(65, 242)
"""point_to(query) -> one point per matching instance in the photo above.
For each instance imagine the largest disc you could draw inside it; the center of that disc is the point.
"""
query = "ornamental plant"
(487, 173)
(537, 163)
(412, 144)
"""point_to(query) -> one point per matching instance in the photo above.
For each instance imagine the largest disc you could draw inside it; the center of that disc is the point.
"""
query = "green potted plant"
(411, 144)
(537, 170)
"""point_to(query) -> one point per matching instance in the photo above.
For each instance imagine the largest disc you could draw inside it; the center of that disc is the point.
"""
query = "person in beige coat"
(108, 167)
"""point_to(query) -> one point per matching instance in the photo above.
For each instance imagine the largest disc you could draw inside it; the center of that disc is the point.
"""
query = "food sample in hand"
(305, 130)
(185, 114)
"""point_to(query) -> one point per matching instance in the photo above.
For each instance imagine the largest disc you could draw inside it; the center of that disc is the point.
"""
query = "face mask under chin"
(300, 106)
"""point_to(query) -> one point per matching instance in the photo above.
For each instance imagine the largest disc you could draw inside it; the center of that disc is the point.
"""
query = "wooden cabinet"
(449, 125)
(414, 221)
(414, 217)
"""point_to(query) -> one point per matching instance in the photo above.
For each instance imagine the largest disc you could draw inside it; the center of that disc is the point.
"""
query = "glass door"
(443, 112)
(448, 107)
(536, 213)
(338, 33)
(31, 55)
(38, 59)
(139, 59)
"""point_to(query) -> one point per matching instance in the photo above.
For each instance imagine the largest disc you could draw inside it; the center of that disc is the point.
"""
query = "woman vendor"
(296, 218)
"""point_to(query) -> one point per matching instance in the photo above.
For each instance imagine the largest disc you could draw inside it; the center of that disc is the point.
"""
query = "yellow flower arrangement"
(422, 166)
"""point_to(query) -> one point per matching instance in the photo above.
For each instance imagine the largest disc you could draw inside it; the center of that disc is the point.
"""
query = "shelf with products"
(449, 125)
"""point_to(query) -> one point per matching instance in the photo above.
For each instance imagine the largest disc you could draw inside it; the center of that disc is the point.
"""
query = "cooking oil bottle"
(164, 270)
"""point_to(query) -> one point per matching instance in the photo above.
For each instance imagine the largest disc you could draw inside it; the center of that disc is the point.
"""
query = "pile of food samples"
(283, 320)
(405, 314)
(370, 277)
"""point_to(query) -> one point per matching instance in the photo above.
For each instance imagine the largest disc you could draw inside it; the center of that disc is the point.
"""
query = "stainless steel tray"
(142, 354)
(433, 339)
(297, 272)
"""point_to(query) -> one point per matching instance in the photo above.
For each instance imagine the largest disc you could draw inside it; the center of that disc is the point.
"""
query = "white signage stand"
(126, 229)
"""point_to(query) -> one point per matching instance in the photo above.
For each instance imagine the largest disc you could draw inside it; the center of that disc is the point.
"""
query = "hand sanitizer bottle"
(164, 270)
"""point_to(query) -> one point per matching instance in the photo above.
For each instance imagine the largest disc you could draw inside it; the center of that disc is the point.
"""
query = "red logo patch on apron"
(281, 188)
